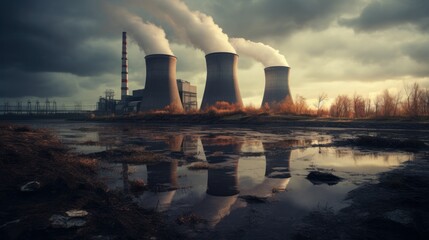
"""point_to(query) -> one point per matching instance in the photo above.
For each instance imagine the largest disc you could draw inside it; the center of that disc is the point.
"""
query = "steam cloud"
(262, 53)
(191, 27)
(150, 38)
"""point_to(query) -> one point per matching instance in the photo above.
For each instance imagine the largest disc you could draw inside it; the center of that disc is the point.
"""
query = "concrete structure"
(124, 73)
(276, 85)
(161, 86)
(222, 83)
(188, 95)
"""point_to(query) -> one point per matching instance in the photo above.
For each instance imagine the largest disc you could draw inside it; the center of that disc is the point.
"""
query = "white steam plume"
(260, 52)
(191, 27)
(150, 38)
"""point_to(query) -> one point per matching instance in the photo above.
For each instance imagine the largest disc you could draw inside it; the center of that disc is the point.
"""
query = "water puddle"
(235, 182)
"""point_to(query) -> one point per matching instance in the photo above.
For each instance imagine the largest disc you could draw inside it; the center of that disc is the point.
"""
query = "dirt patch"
(66, 182)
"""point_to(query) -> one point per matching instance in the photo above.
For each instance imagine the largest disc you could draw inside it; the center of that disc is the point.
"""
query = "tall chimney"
(222, 83)
(276, 85)
(161, 85)
(124, 75)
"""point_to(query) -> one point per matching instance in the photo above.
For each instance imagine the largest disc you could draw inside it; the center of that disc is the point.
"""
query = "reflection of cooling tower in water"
(161, 85)
(222, 180)
(277, 165)
(277, 174)
(276, 85)
(162, 184)
(221, 83)
(162, 177)
(163, 142)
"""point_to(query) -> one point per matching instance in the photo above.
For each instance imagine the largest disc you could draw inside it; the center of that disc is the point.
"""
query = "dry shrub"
(252, 110)
(285, 106)
(222, 108)
(172, 109)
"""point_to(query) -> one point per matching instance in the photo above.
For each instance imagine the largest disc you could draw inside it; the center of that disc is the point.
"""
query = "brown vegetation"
(385, 105)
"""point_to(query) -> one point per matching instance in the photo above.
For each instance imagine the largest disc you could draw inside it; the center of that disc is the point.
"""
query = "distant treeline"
(412, 102)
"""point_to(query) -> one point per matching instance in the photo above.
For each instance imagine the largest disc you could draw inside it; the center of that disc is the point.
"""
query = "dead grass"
(67, 181)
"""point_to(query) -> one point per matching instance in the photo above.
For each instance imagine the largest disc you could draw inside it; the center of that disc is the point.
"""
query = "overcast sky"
(71, 50)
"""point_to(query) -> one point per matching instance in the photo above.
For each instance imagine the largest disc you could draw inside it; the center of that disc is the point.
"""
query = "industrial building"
(187, 94)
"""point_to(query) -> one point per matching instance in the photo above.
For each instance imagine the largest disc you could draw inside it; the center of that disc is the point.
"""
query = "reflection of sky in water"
(242, 162)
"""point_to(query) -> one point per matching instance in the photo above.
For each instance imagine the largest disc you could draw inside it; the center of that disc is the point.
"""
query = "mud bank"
(67, 182)
(397, 207)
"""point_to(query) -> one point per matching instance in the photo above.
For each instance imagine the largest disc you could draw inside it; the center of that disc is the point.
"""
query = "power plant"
(222, 83)
(164, 91)
(276, 85)
(161, 87)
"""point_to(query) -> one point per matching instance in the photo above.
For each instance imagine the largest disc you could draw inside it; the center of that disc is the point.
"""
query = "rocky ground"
(57, 182)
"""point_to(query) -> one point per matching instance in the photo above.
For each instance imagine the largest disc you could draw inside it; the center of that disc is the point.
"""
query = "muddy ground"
(66, 182)
(395, 207)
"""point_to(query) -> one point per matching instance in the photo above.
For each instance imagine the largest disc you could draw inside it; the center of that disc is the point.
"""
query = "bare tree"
(321, 99)
(359, 108)
(412, 102)
(341, 107)
(300, 105)
(387, 104)
(368, 109)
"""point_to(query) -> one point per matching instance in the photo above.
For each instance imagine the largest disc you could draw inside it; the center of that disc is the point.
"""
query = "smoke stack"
(161, 85)
(276, 85)
(124, 75)
(221, 84)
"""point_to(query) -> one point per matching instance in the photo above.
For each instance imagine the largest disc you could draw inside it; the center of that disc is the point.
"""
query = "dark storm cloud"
(49, 36)
(418, 51)
(382, 14)
(52, 36)
(259, 19)
(15, 83)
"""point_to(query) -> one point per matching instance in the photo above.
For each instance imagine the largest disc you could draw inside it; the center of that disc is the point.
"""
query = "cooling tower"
(161, 85)
(221, 84)
(276, 85)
